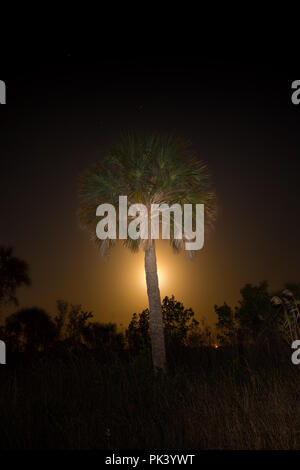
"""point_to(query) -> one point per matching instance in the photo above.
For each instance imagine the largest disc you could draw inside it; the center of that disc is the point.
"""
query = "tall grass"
(210, 399)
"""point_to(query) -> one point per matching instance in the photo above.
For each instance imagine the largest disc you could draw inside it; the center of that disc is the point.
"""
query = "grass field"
(210, 399)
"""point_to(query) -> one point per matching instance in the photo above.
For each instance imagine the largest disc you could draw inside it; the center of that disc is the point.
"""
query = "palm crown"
(148, 170)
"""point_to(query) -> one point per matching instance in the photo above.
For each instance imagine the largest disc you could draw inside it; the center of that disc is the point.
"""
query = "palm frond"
(149, 170)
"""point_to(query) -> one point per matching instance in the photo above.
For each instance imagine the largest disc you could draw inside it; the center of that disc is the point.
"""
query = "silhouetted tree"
(137, 333)
(71, 322)
(13, 274)
(181, 328)
(30, 329)
(288, 312)
(179, 322)
(252, 320)
(149, 170)
(61, 316)
(226, 325)
(254, 312)
(77, 323)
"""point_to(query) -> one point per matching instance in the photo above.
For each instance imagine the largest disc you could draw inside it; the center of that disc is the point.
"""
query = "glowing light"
(161, 276)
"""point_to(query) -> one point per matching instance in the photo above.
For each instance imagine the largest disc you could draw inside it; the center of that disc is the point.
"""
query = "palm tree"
(148, 170)
(290, 307)
(30, 329)
(13, 274)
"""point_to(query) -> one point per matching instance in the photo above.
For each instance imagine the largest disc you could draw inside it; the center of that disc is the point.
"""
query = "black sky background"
(63, 111)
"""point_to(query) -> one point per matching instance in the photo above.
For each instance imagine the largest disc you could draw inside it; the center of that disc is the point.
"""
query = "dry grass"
(209, 400)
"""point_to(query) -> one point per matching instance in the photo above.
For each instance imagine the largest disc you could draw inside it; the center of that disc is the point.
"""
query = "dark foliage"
(209, 399)
(13, 274)
(72, 383)
(30, 329)
(253, 320)
(180, 326)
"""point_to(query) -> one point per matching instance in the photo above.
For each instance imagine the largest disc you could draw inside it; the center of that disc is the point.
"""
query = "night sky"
(63, 114)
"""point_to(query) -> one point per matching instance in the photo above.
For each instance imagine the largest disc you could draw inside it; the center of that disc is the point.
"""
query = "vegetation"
(260, 316)
(13, 274)
(180, 327)
(209, 399)
(73, 383)
(148, 170)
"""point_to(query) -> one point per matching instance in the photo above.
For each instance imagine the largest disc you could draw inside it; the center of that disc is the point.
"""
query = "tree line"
(260, 316)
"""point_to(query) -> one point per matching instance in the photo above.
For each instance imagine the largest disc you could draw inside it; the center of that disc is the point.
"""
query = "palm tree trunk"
(156, 322)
